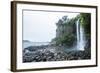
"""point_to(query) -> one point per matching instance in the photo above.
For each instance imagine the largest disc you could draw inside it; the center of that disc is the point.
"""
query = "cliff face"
(62, 30)
(66, 31)
(66, 26)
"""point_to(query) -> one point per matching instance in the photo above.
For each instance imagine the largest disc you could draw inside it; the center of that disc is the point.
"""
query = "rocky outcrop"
(43, 55)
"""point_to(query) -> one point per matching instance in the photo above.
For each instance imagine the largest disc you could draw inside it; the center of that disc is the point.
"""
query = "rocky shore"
(47, 53)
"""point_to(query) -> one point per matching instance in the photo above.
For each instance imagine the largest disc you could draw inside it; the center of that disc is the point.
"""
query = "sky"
(40, 26)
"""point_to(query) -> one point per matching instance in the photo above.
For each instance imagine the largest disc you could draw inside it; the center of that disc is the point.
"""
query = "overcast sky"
(40, 26)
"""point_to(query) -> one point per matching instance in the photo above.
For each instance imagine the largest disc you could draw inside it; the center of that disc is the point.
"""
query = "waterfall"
(80, 36)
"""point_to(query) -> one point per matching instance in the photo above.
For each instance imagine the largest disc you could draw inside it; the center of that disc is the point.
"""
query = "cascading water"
(80, 36)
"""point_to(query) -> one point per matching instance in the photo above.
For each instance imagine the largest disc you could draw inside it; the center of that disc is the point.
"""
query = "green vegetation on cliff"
(66, 29)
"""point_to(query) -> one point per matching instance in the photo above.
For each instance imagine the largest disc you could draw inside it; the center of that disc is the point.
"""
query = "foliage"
(85, 21)
(67, 32)
(67, 29)
(66, 40)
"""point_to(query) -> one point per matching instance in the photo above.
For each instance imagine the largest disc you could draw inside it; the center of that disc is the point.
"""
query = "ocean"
(28, 43)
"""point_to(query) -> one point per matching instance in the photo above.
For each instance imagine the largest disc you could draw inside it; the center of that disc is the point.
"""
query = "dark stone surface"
(47, 55)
